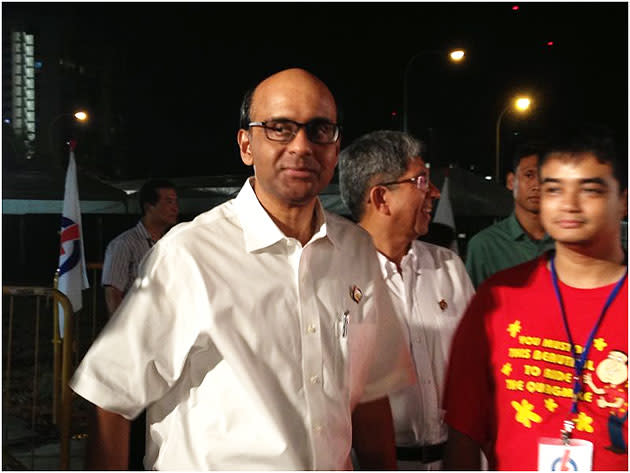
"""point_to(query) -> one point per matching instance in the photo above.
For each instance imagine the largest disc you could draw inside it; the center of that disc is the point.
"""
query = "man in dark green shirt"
(518, 238)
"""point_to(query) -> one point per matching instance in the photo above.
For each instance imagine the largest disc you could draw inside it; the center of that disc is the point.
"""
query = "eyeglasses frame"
(412, 180)
(263, 124)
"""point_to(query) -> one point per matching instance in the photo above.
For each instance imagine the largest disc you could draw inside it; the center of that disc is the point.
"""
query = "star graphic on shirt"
(600, 344)
(525, 413)
(550, 404)
(514, 328)
(507, 369)
(583, 423)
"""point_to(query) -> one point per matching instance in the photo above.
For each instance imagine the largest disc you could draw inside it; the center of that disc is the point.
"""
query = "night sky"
(179, 70)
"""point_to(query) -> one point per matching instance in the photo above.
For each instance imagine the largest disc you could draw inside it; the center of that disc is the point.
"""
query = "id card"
(553, 455)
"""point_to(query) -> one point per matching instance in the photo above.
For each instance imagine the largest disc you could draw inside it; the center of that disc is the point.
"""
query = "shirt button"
(315, 379)
(311, 328)
(318, 428)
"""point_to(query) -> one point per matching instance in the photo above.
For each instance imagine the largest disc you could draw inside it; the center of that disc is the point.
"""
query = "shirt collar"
(259, 229)
(388, 267)
(143, 230)
(516, 232)
(514, 227)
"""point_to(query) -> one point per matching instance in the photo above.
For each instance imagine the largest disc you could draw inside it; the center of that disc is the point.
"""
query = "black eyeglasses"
(421, 182)
(319, 131)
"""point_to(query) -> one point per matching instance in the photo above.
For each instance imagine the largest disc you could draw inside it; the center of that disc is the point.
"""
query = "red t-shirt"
(510, 379)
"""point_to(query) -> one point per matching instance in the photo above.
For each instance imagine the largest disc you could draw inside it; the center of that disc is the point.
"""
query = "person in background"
(520, 237)
(385, 183)
(158, 204)
(260, 335)
(540, 359)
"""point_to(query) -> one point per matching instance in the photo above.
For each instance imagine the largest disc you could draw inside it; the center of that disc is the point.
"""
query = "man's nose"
(300, 142)
(570, 200)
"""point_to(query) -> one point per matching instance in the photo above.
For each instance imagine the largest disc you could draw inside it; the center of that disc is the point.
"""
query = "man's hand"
(108, 441)
(373, 435)
(461, 453)
(113, 298)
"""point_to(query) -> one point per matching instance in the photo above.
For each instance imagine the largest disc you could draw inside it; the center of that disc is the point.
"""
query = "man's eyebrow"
(588, 180)
(594, 180)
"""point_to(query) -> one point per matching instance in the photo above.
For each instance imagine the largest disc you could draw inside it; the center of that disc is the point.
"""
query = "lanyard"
(581, 360)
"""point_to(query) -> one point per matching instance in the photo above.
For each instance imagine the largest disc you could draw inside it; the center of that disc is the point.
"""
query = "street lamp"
(520, 104)
(455, 55)
(80, 115)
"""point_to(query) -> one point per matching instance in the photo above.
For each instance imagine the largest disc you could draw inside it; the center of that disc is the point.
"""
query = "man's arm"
(373, 435)
(461, 452)
(108, 441)
(113, 298)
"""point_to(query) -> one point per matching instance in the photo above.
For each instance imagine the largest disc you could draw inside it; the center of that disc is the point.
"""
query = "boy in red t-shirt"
(539, 362)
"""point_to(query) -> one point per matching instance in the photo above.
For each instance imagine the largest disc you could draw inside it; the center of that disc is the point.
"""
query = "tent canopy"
(41, 192)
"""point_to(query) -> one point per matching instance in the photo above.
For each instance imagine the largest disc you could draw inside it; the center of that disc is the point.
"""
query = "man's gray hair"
(379, 156)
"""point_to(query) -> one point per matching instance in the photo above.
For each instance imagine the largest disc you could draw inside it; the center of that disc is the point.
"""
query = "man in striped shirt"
(158, 203)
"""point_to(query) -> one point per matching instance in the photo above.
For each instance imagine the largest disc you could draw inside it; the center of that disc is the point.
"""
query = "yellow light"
(81, 116)
(457, 55)
(522, 103)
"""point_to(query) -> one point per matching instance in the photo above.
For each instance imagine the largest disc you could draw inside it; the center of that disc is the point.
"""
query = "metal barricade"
(62, 350)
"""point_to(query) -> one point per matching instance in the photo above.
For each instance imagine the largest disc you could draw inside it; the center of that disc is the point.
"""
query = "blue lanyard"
(581, 361)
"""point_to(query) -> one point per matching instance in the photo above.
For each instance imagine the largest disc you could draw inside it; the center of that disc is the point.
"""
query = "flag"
(444, 213)
(72, 268)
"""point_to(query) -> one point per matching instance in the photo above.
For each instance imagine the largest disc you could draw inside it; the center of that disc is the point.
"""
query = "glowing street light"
(520, 104)
(455, 55)
(80, 115)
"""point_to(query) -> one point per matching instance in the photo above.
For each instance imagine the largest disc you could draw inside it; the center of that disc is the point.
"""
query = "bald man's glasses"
(421, 182)
(319, 131)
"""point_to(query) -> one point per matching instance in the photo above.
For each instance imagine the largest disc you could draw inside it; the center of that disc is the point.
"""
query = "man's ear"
(245, 146)
(624, 204)
(509, 180)
(378, 199)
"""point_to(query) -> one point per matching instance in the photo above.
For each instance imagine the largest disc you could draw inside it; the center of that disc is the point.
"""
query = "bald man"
(260, 335)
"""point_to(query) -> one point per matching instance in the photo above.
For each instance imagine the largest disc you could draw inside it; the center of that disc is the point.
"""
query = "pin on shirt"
(345, 321)
(356, 294)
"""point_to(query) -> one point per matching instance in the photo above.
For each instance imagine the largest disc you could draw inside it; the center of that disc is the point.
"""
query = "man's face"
(165, 209)
(525, 185)
(411, 207)
(290, 173)
(581, 203)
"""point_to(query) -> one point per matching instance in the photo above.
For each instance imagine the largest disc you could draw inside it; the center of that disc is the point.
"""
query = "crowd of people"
(270, 334)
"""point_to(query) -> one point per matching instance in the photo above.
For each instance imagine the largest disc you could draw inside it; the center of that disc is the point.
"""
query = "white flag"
(72, 268)
(444, 213)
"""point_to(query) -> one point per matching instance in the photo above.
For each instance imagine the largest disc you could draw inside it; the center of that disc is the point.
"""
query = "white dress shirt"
(250, 350)
(430, 297)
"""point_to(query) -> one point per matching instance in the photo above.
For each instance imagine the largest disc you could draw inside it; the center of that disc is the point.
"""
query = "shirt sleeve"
(116, 265)
(142, 351)
(468, 395)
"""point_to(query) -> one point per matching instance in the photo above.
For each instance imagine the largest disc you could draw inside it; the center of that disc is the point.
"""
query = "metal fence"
(36, 406)
(44, 423)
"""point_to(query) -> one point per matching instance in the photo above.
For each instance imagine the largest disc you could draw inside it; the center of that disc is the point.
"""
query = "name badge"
(554, 455)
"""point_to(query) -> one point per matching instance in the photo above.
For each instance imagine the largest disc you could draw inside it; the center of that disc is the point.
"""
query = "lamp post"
(80, 116)
(455, 55)
(520, 104)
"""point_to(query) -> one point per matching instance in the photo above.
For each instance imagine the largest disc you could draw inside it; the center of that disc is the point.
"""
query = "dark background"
(164, 81)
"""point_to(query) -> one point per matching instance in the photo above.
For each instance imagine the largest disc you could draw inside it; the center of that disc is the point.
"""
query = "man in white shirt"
(385, 183)
(259, 335)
